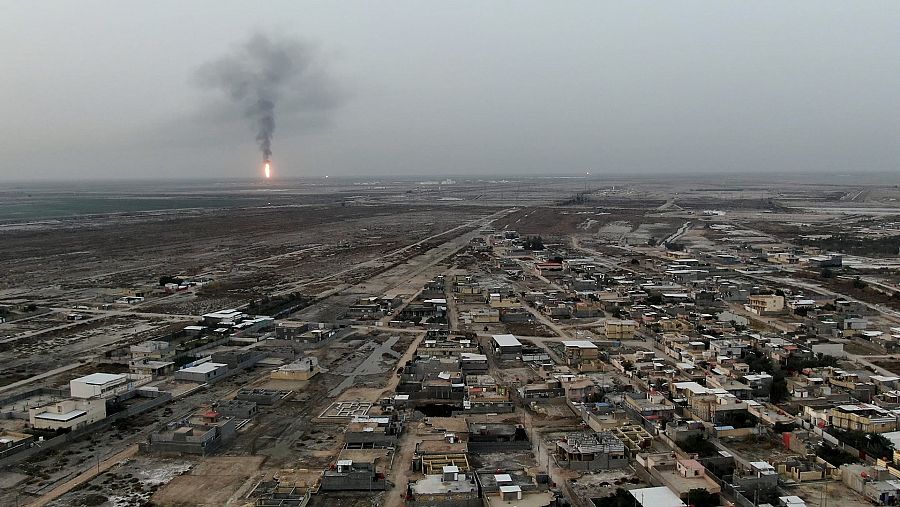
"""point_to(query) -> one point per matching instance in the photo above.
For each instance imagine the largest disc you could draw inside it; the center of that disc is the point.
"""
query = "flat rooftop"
(506, 340)
(53, 416)
(495, 480)
(100, 379)
(529, 499)
(580, 344)
(656, 497)
(152, 364)
(203, 368)
(222, 314)
(434, 484)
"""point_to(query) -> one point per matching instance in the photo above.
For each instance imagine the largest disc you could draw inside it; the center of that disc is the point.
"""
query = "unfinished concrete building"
(358, 470)
(371, 435)
(591, 451)
(262, 396)
(239, 409)
(451, 487)
(432, 455)
(203, 433)
(495, 436)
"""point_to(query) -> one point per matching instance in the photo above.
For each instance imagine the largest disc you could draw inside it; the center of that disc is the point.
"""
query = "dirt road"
(85, 476)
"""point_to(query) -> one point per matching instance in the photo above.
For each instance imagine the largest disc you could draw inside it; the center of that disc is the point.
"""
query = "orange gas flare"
(268, 171)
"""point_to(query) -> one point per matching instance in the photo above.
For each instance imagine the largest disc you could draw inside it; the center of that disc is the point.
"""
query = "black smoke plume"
(264, 74)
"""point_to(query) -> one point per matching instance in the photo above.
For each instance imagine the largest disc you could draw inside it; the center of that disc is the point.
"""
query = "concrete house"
(67, 415)
(506, 346)
(203, 372)
(591, 451)
(766, 304)
(154, 369)
(100, 385)
(579, 352)
(617, 329)
(358, 470)
(304, 368)
(203, 433)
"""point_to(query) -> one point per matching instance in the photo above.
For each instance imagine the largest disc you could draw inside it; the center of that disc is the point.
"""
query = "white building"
(656, 497)
(222, 317)
(506, 346)
(203, 372)
(762, 304)
(99, 385)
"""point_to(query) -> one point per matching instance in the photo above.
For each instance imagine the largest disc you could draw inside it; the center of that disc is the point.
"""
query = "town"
(461, 344)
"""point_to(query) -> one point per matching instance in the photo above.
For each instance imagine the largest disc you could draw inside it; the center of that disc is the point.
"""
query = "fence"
(731, 492)
(834, 442)
(49, 444)
(23, 414)
(52, 443)
(498, 446)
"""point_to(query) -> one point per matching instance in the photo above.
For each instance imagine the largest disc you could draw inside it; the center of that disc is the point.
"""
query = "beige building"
(761, 304)
(101, 385)
(580, 350)
(484, 315)
(67, 414)
(862, 417)
(679, 475)
(505, 303)
(303, 369)
(152, 349)
(617, 329)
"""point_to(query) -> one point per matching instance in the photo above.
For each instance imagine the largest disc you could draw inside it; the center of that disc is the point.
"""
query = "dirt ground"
(211, 483)
(828, 493)
(604, 483)
(115, 254)
(860, 349)
(528, 329)
(554, 222)
(347, 499)
(130, 484)
(762, 449)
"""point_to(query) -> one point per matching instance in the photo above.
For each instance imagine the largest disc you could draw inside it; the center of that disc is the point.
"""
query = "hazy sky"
(109, 89)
